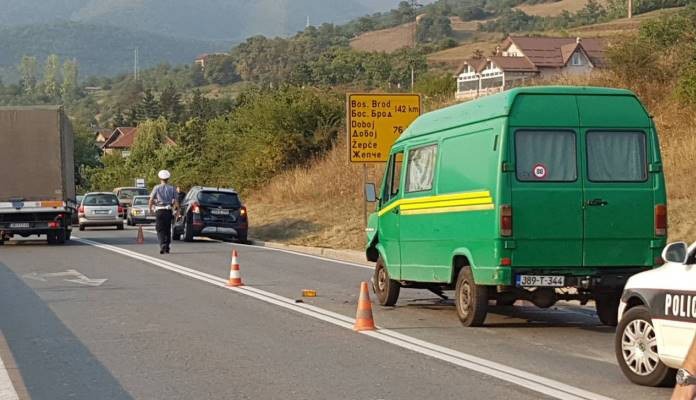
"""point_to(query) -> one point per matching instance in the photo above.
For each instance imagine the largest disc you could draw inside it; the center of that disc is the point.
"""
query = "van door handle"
(597, 203)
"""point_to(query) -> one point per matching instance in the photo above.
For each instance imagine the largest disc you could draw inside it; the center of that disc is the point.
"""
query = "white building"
(521, 58)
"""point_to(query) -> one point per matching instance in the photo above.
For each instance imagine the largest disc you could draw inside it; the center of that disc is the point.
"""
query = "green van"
(538, 194)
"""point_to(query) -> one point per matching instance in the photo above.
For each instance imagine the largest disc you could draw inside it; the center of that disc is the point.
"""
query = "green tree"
(70, 88)
(28, 70)
(51, 77)
(221, 70)
(149, 107)
(197, 76)
(170, 104)
(200, 106)
(86, 154)
(119, 119)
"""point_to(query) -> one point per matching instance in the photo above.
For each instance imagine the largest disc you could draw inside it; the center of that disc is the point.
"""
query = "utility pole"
(630, 9)
(414, 37)
(135, 64)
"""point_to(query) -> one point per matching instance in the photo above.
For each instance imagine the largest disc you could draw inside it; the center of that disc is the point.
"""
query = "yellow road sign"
(375, 121)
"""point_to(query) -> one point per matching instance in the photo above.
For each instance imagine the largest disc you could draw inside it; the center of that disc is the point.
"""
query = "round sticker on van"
(539, 171)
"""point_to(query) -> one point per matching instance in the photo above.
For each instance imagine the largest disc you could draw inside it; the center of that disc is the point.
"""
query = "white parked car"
(657, 318)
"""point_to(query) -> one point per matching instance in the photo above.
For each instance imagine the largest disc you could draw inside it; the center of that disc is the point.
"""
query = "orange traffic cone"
(141, 237)
(363, 319)
(235, 274)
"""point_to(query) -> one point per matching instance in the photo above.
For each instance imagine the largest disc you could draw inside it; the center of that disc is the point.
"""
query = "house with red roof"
(122, 139)
(519, 58)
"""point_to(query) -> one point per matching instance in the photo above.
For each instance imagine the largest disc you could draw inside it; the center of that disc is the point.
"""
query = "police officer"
(163, 200)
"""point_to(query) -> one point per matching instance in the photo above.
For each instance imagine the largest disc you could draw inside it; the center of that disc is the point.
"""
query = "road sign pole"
(364, 195)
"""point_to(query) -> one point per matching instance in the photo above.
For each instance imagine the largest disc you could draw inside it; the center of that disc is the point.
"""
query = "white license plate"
(541, 280)
(217, 211)
(20, 225)
(101, 212)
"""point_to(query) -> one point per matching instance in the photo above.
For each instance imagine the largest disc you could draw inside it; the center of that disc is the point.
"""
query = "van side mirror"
(675, 252)
(370, 193)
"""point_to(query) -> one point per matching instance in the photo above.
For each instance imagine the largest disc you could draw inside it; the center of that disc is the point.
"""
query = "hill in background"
(230, 20)
(101, 50)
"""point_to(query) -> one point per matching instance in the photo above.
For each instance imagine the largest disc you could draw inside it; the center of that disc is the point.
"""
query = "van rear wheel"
(471, 300)
(607, 305)
(386, 289)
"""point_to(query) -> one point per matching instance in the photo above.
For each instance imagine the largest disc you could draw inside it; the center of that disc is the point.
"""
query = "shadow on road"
(54, 364)
(522, 316)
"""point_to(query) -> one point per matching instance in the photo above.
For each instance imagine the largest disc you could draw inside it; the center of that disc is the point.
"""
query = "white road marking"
(7, 390)
(297, 253)
(79, 277)
(502, 372)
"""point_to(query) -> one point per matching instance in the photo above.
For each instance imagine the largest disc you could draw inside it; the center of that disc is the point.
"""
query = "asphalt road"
(166, 327)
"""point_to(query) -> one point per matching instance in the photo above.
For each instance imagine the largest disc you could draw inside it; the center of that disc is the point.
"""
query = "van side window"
(421, 169)
(546, 156)
(616, 157)
(393, 180)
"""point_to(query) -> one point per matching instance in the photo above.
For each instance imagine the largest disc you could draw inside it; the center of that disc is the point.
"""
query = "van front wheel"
(386, 289)
(471, 300)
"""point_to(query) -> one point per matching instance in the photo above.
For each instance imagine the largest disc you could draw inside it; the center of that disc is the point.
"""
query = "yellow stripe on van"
(442, 210)
(442, 203)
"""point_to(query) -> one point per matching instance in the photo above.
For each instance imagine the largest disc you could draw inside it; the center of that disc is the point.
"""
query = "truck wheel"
(607, 305)
(386, 289)
(55, 237)
(188, 231)
(635, 346)
(471, 300)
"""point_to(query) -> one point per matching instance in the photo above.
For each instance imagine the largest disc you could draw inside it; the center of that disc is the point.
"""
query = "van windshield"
(546, 156)
(616, 157)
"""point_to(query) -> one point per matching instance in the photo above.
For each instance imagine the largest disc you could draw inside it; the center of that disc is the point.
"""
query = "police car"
(657, 318)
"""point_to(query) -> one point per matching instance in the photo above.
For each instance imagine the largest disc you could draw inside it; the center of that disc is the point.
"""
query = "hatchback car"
(658, 318)
(100, 209)
(211, 212)
(139, 212)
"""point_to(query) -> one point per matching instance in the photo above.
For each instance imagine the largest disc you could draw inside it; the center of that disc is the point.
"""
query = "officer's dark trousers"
(164, 228)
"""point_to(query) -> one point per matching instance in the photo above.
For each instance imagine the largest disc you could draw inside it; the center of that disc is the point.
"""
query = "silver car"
(100, 209)
(139, 212)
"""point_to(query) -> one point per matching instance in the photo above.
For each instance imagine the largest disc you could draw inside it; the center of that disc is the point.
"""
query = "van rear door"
(619, 200)
(547, 192)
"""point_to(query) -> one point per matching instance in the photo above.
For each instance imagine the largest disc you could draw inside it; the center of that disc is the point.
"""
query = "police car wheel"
(471, 300)
(386, 289)
(635, 346)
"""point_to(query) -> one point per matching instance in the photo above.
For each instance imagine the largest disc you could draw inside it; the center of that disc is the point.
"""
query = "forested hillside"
(100, 49)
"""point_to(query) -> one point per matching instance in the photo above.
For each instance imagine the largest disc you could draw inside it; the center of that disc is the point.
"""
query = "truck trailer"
(37, 173)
